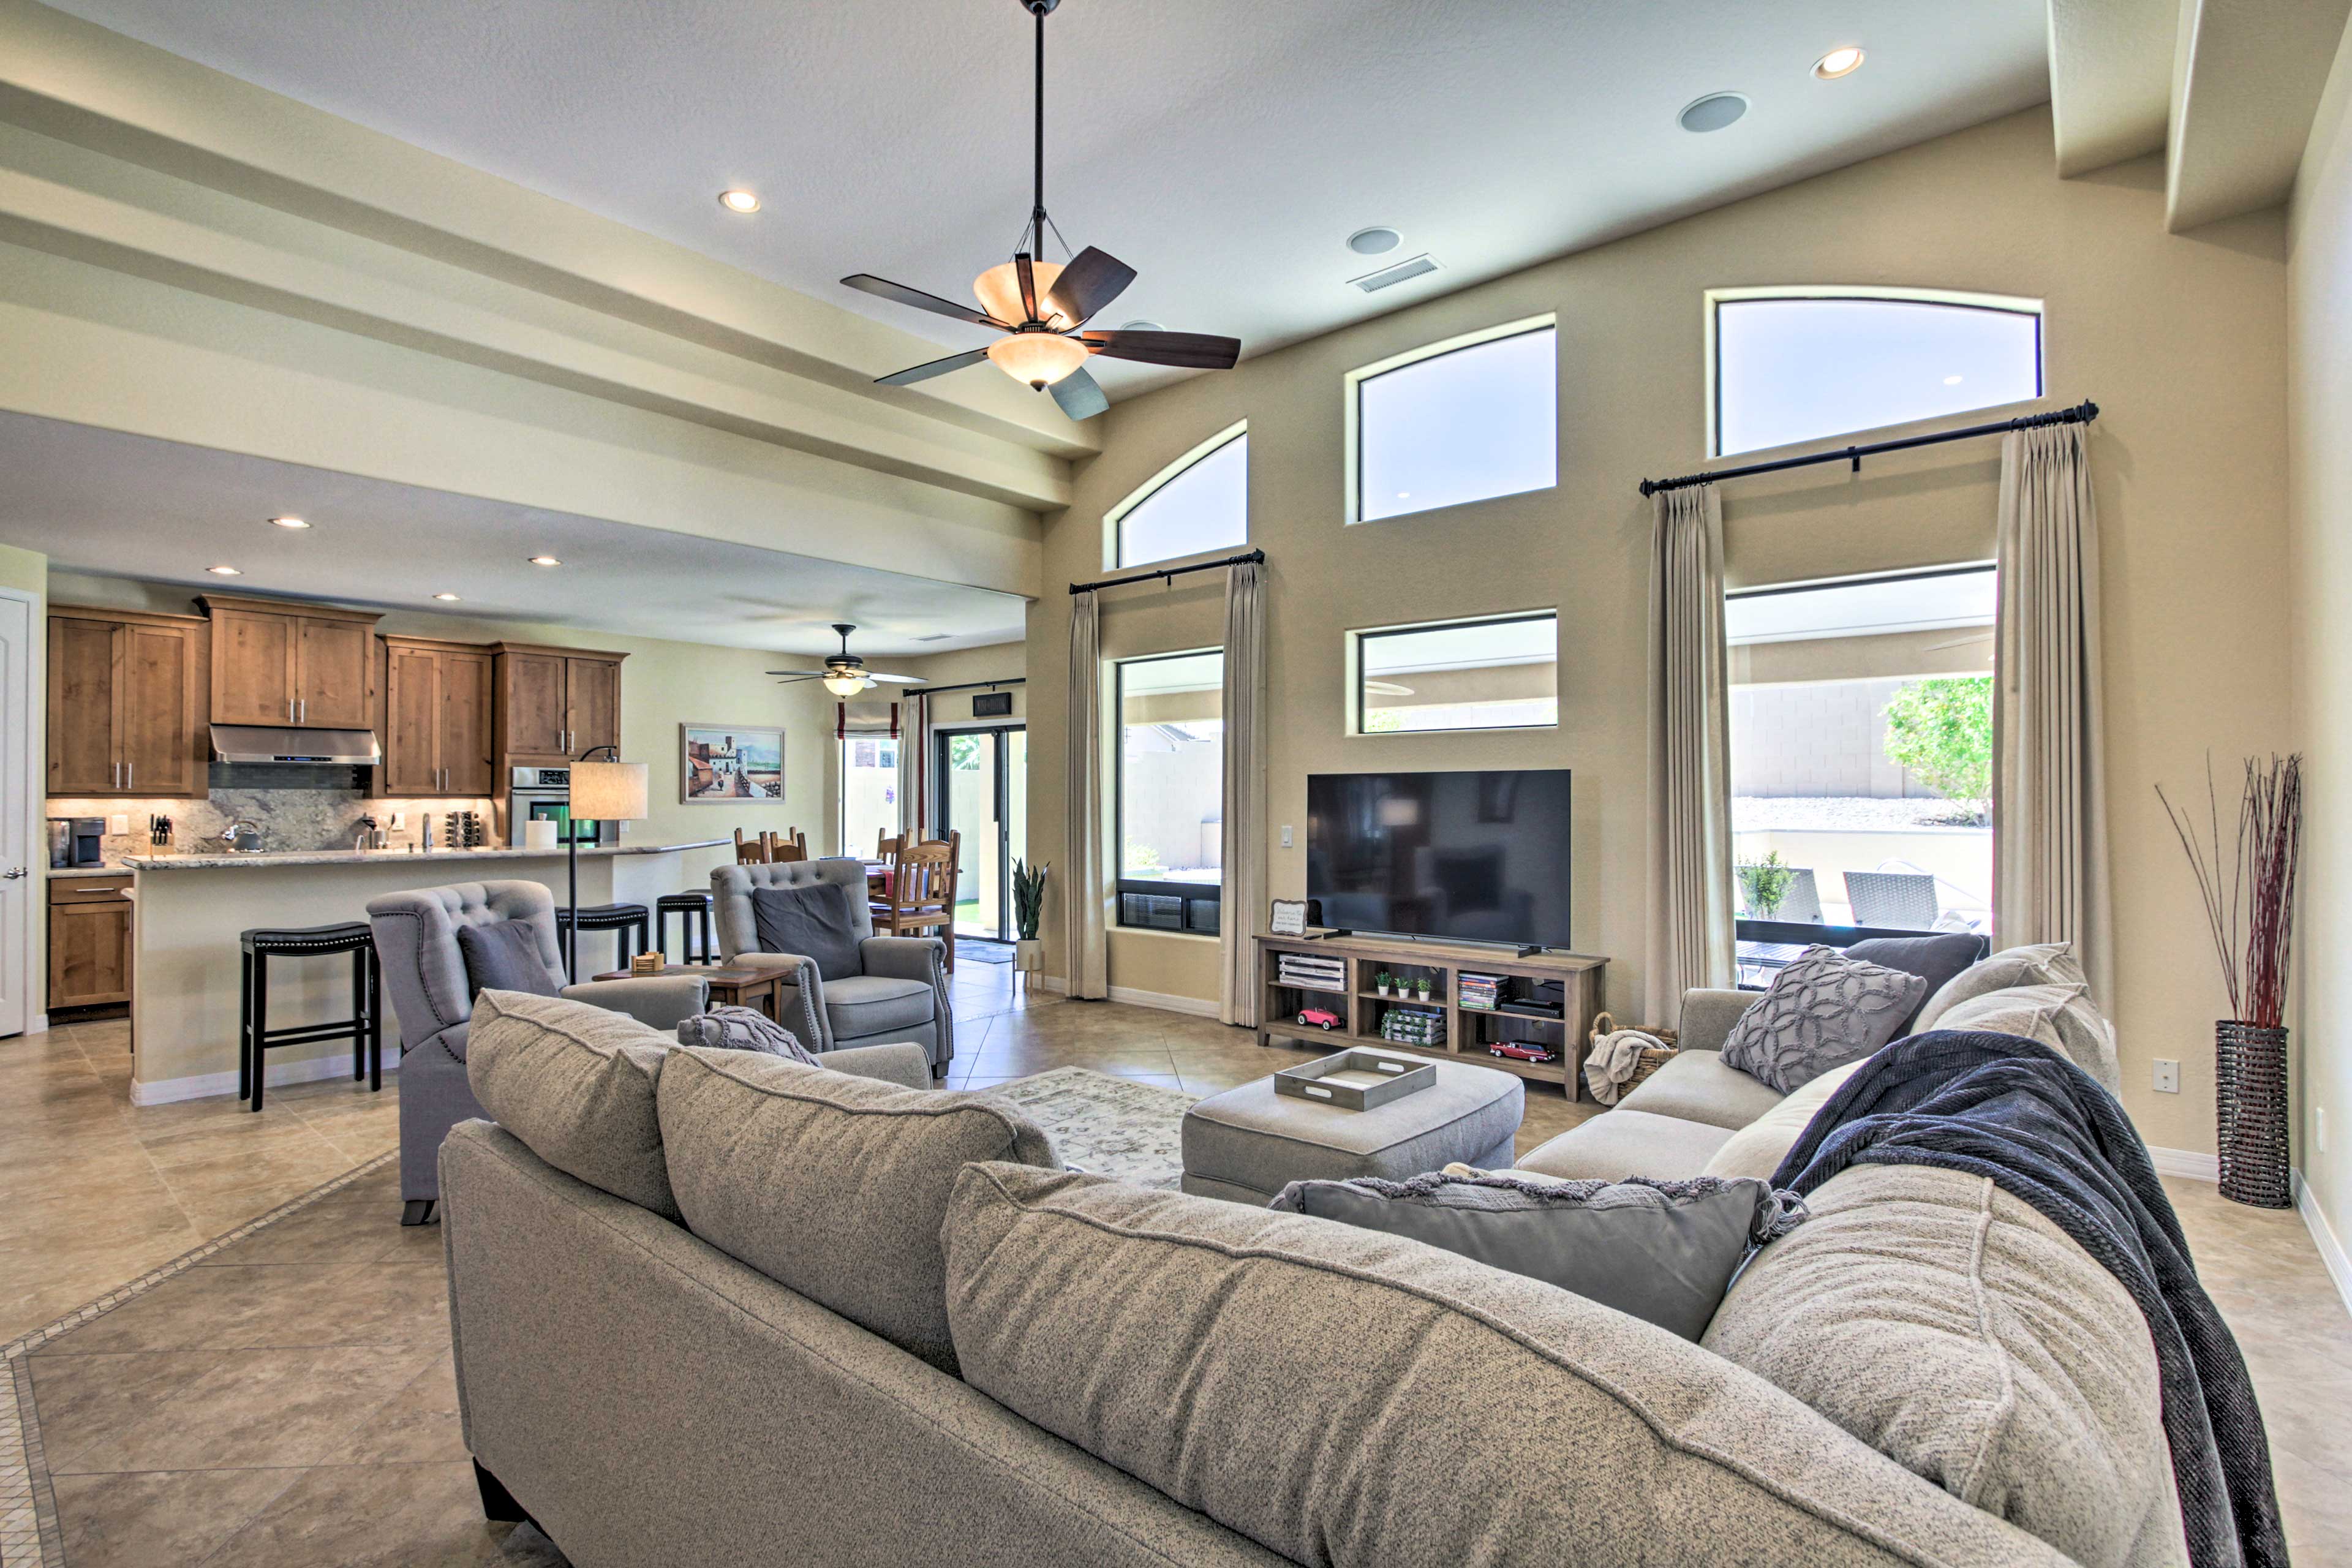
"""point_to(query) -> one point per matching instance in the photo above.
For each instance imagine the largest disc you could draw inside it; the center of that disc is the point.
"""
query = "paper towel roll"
(539, 833)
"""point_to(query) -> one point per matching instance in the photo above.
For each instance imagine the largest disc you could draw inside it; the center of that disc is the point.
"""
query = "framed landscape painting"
(723, 763)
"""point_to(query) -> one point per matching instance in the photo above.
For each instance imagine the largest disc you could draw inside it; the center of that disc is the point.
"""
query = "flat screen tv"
(1477, 856)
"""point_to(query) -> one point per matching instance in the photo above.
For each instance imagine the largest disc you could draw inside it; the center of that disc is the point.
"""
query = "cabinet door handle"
(130, 772)
(302, 711)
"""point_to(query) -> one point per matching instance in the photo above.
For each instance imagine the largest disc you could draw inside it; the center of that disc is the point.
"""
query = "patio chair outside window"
(1902, 900)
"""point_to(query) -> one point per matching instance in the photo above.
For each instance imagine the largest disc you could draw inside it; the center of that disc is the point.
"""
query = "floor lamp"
(605, 790)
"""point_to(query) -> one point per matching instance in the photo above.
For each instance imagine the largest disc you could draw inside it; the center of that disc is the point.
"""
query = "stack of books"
(1312, 971)
(1480, 993)
(1413, 1026)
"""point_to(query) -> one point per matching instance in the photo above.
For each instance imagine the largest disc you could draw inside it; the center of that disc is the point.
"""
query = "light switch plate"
(2168, 1076)
(1285, 836)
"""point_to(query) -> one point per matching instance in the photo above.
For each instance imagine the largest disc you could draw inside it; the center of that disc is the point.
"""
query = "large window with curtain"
(1794, 364)
(1862, 759)
(869, 791)
(1170, 803)
(1198, 503)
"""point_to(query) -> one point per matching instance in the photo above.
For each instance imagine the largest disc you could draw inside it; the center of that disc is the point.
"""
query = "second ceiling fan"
(1043, 308)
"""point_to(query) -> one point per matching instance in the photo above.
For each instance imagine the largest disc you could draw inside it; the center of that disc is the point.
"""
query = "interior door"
(332, 689)
(160, 746)
(253, 668)
(412, 726)
(17, 878)
(83, 705)
(591, 690)
(465, 723)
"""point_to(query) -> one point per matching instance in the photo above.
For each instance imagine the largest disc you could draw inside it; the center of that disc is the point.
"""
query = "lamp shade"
(609, 792)
(998, 290)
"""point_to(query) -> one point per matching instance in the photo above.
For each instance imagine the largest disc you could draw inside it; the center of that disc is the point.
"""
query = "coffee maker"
(76, 841)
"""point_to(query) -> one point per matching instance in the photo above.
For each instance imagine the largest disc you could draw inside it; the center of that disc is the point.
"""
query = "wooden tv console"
(1468, 1030)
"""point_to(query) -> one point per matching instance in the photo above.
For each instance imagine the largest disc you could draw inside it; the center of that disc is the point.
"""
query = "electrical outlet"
(2168, 1076)
(1285, 836)
(119, 823)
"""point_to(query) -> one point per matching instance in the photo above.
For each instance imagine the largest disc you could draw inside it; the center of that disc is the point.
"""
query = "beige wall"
(663, 685)
(2180, 339)
(2319, 413)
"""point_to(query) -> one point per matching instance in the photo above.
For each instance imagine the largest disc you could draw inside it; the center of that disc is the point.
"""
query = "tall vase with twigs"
(2247, 886)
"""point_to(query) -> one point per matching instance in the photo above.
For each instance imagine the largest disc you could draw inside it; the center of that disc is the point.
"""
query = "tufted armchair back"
(732, 888)
(416, 943)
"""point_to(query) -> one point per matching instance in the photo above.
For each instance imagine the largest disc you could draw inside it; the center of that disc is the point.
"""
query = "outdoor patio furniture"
(1802, 901)
(1897, 900)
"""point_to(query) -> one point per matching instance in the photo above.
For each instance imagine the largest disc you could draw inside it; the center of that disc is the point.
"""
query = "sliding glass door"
(983, 795)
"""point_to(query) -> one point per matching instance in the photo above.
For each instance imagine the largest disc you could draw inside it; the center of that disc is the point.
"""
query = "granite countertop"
(369, 856)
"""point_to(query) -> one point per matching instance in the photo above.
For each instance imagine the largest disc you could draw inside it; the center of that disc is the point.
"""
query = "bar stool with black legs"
(625, 921)
(364, 1028)
(692, 909)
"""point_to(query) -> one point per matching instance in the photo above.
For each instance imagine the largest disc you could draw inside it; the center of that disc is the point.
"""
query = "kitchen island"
(189, 911)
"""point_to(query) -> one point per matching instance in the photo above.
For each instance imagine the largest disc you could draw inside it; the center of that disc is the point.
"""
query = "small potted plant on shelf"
(1380, 981)
(1421, 987)
(1028, 908)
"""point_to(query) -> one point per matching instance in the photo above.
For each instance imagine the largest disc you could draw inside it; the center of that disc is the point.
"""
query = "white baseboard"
(1053, 982)
(1164, 1001)
(208, 1085)
(2323, 1237)
(2186, 1164)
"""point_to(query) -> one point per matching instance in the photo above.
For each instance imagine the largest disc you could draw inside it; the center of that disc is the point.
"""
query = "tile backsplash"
(290, 819)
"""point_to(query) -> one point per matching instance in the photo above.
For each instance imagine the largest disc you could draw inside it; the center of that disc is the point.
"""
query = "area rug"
(1110, 1126)
(976, 951)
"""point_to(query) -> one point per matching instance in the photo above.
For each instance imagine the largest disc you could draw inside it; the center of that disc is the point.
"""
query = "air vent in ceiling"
(935, 637)
(1388, 277)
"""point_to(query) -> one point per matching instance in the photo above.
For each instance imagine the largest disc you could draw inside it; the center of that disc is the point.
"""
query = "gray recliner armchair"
(900, 995)
(425, 975)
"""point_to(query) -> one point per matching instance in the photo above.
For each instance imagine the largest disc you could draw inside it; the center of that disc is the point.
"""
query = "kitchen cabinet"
(306, 666)
(436, 733)
(127, 706)
(552, 703)
(89, 939)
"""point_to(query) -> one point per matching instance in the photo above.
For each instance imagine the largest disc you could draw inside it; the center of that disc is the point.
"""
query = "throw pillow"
(814, 921)
(730, 1028)
(2040, 963)
(576, 1084)
(1823, 1011)
(1934, 959)
(1757, 1149)
(1662, 1251)
(2060, 1017)
(504, 956)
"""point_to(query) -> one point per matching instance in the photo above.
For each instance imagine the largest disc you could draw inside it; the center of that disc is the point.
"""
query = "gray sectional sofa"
(846, 1323)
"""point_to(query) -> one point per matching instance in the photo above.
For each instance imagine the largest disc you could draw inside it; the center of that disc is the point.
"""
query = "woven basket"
(1652, 1057)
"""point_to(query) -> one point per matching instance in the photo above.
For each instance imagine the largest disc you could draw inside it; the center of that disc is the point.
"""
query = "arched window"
(1199, 503)
(1465, 420)
(1796, 365)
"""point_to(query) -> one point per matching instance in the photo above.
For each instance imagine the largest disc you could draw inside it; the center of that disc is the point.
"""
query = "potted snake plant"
(1028, 908)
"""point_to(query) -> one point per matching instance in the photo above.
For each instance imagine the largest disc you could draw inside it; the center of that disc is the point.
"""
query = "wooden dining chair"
(750, 851)
(919, 901)
(782, 849)
(886, 848)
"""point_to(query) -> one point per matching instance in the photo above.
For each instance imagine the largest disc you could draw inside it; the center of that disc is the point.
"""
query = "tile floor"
(290, 1400)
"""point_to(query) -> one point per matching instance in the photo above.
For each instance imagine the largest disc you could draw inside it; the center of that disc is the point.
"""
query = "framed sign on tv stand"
(1468, 1030)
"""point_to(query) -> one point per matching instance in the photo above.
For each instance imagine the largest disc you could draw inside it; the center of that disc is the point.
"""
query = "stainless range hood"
(283, 744)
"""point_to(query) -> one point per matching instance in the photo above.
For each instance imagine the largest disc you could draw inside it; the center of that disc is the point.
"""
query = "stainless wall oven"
(545, 794)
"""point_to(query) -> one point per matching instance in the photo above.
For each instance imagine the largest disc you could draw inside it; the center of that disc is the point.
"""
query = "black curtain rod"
(967, 686)
(1245, 558)
(2081, 414)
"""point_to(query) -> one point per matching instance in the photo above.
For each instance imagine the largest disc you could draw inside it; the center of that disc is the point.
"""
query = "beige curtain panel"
(1085, 886)
(1246, 908)
(2050, 832)
(1690, 756)
(914, 750)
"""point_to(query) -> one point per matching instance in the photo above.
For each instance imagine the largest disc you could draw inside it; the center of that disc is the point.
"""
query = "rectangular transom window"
(1501, 673)
(1172, 790)
(1791, 365)
(1463, 420)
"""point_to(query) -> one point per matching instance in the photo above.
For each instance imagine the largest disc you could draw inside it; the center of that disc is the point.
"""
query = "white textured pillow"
(2060, 1017)
(2038, 963)
(1757, 1149)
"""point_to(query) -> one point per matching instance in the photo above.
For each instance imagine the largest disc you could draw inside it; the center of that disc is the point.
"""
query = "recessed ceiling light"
(739, 201)
(448, 598)
(1140, 325)
(1838, 62)
(290, 523)
(1713, 112)
(1374, 241)
(224, 571)
(1954, 380)
(545, 561)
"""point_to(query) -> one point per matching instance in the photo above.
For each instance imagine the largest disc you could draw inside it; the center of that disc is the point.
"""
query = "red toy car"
(1520, 1052)
(1319, 1018)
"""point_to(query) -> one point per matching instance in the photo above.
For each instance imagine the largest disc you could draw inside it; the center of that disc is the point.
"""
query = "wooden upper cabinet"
(553, 703)
(466, 740)
(310, 665)
(436, 739)
(128, 712)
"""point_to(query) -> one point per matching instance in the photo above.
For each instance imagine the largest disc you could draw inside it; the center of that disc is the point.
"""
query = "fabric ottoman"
(1250, 1142)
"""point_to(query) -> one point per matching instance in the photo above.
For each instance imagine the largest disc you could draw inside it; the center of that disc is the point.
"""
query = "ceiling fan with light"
(1042, 308)
(844, 674)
